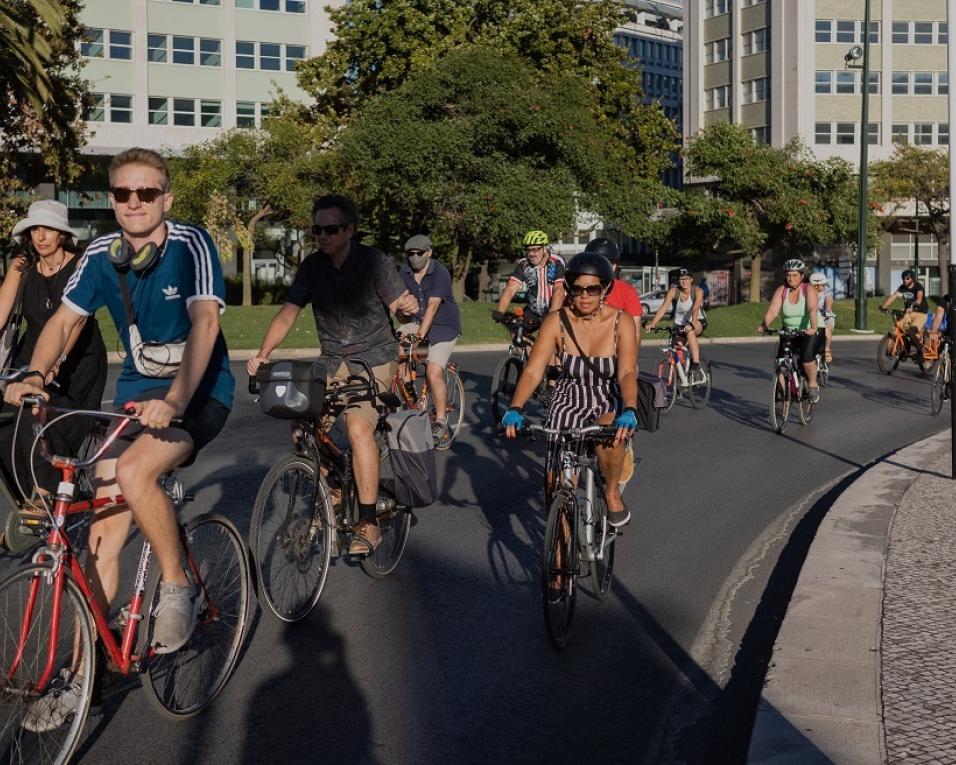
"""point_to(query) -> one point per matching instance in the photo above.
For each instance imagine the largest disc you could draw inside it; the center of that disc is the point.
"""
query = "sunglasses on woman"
(145, 195)
(592, 290)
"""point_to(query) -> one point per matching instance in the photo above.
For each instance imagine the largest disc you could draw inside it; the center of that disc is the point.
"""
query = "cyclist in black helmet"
(916, 307)
(598, 363)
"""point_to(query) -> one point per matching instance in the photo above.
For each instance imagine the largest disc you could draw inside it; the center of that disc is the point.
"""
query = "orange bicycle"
(897, 345)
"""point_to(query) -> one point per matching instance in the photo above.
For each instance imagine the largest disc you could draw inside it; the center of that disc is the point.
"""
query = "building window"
(209, 2)
(942, 33)
(717, 98)
(245, 114)
(184, 112)
(824, 82)
(846, 31)
(923, 32)
(245, 55)
(901, 83)
(874, 32)
(121, 45)
(293, 53)
(942, 83)
(922, 83)
(717, 51)
(873, 133)
(943, 134)
(210, 52)
(268, 5)
(901, 32)
(755, 42)
(91, 44)
(761, 134)
(901, 132)
(824, 31)
(264, 111)
(716, 7)
(121, 108)
(295, 6)
(846, 83)
(269, 57)
(184, 50)
(845, 132)
(156, 48)
(96, 112)
(823, 132)
(755, 91)
(923, 133)
(158, 111)
(210, 113)
(874, 88)
(245, 4)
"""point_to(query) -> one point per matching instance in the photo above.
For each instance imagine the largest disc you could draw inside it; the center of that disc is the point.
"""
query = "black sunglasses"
(332, 228)
(593, 290)
(147, 195)
(415, 252)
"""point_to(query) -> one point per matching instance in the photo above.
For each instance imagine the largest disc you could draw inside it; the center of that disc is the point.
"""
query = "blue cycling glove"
(627, 419)
(513, 418)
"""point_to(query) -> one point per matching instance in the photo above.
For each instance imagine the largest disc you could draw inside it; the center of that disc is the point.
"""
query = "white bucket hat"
(48, 213)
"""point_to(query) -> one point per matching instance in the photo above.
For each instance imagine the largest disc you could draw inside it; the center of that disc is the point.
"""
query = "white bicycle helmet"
(794, 264)
(818, 278)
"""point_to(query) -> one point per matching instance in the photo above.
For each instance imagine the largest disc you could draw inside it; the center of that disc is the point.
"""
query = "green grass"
(245, 327)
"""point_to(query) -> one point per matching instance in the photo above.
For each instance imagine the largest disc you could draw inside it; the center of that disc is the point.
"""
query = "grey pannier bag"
(412, 454)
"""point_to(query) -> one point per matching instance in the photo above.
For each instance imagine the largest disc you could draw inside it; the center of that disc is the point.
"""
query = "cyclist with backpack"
(597, 352)
(798, 307)
(686, 305)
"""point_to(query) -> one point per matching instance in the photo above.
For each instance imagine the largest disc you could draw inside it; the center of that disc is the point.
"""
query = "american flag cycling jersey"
(539, 281)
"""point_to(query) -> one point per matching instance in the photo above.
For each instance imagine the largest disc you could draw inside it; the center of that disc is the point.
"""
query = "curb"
(822, 696)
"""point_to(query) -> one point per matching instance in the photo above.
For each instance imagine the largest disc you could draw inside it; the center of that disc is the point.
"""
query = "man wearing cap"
(437, 320)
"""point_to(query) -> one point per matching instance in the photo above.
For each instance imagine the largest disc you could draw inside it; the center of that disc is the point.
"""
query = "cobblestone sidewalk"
(919, 622)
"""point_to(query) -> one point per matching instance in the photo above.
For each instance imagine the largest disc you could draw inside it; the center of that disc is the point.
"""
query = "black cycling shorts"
(804, 347)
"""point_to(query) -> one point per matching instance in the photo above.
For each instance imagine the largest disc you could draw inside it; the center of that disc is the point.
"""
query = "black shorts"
(202, 420)
(804, 347)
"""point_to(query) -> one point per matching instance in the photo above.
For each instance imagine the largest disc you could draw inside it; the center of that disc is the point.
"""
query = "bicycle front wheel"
(699, 389)
(454, 406)
(559, 569)
(602, 570)
(667, 372)
(805, 406)
(887, 357)
(290, 536)
(940, 390)
(779, 403)
(503, 384)
(183, 683)
(43, 724)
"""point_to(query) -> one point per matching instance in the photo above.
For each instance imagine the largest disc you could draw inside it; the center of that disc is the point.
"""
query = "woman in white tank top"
(685, 302)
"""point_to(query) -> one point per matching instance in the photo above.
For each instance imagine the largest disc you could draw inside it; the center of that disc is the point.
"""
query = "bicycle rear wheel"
(779, 404)
(940, 390)
(668, 373)
(559, 569)
(698, 391)
(183, 683)
(290, 537)
(805, 406)
(28, 716)
(393, 525)
(503, 384)
(454, 409)
(886, 359)
(823, 373)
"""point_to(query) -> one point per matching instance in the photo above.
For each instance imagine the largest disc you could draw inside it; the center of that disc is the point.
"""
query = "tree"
(379, 46)
(759, 198)
(479, 148)
(42, 95)
(243, 178)
(917, 174)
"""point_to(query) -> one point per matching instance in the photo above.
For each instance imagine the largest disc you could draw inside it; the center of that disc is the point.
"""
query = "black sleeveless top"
(83, 374)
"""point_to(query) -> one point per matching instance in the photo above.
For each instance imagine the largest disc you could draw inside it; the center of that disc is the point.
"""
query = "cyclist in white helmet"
(826, 321)
(797, 305)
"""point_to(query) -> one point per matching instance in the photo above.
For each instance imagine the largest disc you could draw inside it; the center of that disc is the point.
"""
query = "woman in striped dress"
(598, 382)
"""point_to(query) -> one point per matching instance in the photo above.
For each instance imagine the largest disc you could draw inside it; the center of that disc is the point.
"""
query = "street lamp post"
(855, 54)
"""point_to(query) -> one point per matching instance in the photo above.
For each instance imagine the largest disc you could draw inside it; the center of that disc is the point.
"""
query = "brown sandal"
(362, 543)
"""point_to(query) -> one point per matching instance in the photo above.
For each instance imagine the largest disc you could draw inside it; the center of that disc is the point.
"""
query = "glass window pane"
(923, 83)
(91, 44)
(822, 132)
(269, 57)
(923, 133)
(264, 110)
(245, 4)
(210, 113)
(158, 111)
(121, 45)
(245, 114)
(268, 5)
(943, 134)
(184, 112)
(942, 37)
(923, 32)
(824, 80)
(293, 53)
(823, 30)
(96, 112)
(184, 50)
(846, 31)
(209, 2)
(943, 83)
(846, 82)
(121, 108)
(901, 83)
(873, 133)
(901, 133)
(874, 32)
(846, 132)
(156, 48)
(245, 55)
(901, 32)
(295, 6)
(210, 52)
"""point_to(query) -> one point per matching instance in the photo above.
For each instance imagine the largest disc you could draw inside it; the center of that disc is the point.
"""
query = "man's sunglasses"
(413, 253)
(330, 230)
(592, 290)
(147, 195)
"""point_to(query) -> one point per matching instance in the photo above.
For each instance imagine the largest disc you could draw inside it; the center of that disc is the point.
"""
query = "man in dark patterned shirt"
(352, 289)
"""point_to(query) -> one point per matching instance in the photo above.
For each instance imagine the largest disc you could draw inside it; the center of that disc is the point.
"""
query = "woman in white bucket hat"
(35, 281)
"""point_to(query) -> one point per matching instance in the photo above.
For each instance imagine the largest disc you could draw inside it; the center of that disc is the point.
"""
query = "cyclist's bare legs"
(611, 460)
(810, 369)
(693, 329)
(365, 463)
(435, 374)
(133, 470)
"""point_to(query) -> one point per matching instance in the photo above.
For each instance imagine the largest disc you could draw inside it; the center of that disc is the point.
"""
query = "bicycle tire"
(668, 373)
(455, 409)
(779, 404)
(290, 537)
(602, 571)
(503, 386)
(558, 578)
(183, 683)
(19, 702)
(393, 526)
(805, 406)
(699, 392)
(823, 373)
(937, 394)
(885, 359)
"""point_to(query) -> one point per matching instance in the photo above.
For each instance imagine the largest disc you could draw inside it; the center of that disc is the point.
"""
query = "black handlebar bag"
(292, 390)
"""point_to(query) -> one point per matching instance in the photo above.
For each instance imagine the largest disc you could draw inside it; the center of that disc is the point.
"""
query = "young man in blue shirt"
(172, 275)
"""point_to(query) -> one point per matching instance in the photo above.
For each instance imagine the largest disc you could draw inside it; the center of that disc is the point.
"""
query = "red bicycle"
(51, 619)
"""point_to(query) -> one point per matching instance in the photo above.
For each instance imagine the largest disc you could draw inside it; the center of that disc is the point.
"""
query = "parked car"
(652, 300)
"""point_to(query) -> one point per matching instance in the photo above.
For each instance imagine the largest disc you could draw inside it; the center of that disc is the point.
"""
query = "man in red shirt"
(622, 294)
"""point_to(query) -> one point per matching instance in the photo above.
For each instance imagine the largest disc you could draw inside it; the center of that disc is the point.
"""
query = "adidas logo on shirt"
(171, 292)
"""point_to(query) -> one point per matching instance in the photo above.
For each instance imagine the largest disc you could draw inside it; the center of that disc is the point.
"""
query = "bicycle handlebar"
(593, 432)
(785, 332)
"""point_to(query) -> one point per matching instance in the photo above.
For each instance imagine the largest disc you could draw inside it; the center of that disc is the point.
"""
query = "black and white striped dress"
(583, 394)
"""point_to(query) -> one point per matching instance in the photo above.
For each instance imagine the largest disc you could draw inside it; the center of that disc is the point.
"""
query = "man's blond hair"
(140, 156)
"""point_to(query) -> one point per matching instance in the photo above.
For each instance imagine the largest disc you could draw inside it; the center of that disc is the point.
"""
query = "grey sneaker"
(814, 394)
(439, 431)
(56, 706)
(175, 615)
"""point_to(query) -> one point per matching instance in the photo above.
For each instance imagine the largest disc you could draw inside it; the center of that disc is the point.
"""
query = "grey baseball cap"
(418, 242)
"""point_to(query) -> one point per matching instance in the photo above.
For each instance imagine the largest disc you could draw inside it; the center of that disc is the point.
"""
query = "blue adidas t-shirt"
(188, 270)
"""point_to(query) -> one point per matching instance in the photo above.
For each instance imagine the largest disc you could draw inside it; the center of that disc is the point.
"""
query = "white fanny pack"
(151, 359)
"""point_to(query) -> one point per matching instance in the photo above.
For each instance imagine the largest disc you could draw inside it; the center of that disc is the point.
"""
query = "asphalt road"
(447, 660)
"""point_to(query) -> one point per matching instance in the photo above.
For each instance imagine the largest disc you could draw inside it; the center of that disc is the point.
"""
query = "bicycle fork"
(596, 540)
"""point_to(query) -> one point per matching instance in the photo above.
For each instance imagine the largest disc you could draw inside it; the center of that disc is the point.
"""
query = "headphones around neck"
(123, 257)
